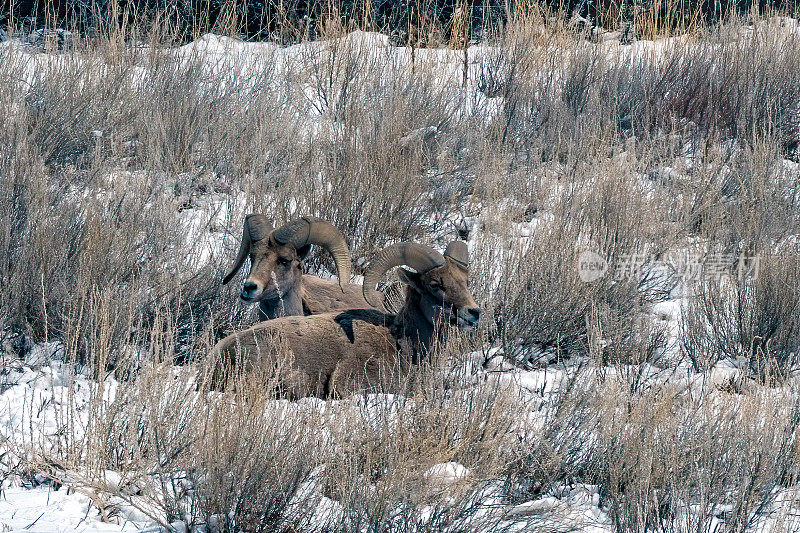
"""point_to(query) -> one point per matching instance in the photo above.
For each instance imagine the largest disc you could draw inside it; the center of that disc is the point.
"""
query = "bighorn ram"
(340, 352)
(276, 280)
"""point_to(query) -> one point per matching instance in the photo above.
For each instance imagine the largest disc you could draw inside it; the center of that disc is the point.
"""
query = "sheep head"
(440, 281)
(276, 255)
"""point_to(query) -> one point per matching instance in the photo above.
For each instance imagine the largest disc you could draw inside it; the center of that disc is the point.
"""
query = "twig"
(32, 523)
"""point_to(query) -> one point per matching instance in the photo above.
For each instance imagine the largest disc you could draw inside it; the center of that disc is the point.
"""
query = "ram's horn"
(418, 256)
(458, 252)
(311, 230)
(256, 227)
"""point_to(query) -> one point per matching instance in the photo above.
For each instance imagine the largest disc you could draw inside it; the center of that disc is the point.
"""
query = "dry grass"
(757, 319)
(125, 172)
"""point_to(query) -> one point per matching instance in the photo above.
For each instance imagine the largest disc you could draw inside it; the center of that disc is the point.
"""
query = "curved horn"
(312, 230)
(259, 227)
(418, 256)
(458, 252)
(256, 227)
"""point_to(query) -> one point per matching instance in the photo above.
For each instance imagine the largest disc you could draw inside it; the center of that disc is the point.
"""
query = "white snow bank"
(44, 509)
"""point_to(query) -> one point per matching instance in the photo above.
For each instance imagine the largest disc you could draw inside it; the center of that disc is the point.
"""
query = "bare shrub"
(543, 307)
(742, 87)
(757, 205)
(665, 457)
(391, 162)
(70, 108)
(718, 87)
(249, 470)
(755, 318)
(651, 472)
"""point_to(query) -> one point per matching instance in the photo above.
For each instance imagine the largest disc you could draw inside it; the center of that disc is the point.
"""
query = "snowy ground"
(33, 404)
(31, 407)
(32, 410)
(25, 508)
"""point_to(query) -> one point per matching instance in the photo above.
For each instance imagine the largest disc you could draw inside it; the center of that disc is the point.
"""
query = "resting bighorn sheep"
(340, 352)
(276, 280)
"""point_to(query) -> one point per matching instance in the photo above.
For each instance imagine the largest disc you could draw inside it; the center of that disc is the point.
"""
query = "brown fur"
(322, 350)
(321, 296)
(342, 352)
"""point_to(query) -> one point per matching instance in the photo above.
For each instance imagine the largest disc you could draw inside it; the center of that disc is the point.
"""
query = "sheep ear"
(302, 252)
(409, 278)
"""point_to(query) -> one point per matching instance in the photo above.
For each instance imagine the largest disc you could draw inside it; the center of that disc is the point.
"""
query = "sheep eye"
(283, 261)
(435, 286)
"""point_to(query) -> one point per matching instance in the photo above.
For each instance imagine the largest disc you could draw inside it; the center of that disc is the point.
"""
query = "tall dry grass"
(125, 171)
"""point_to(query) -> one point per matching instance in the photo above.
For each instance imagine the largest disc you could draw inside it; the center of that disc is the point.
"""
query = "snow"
(34, 397)
(447, 473)
(577, 505)
(45, 509)
(42, 398)
(669, 313)
(33, 408)
(325, 512)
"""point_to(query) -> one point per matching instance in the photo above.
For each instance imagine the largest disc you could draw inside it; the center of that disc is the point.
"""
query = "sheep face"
(275, 270)
(444, 295)
(276, 260)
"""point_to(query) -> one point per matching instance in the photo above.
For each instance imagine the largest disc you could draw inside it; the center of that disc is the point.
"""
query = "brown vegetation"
(127, 165)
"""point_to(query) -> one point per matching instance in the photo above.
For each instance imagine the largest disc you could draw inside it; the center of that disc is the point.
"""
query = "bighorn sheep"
(276, 280)
(340, 352)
